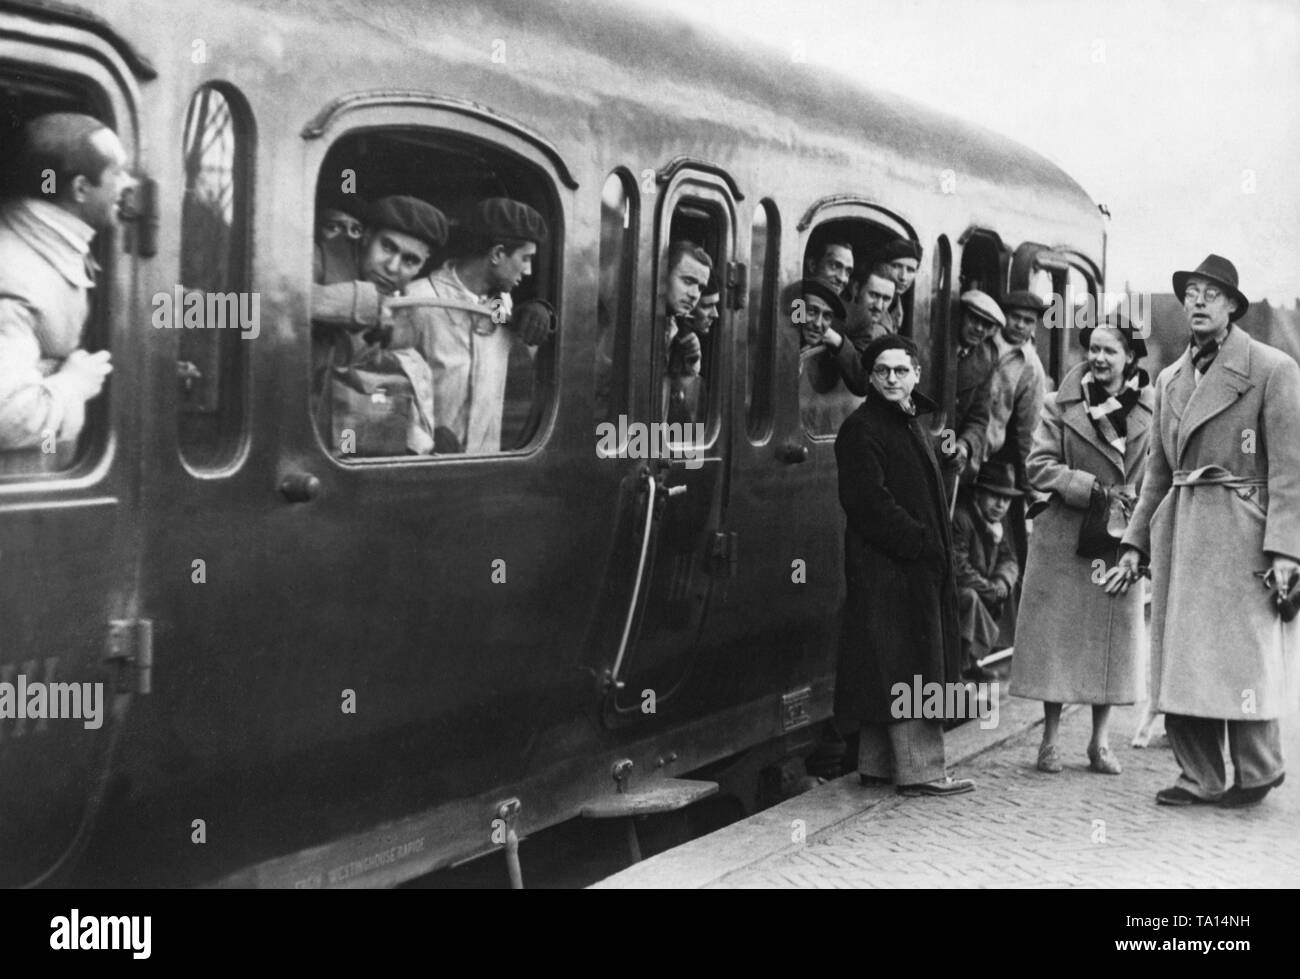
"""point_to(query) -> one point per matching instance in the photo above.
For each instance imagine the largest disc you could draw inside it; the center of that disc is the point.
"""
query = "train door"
(683, 424)
(67, 558)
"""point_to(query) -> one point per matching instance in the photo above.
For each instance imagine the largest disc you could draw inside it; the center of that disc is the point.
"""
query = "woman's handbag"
(1104, 523)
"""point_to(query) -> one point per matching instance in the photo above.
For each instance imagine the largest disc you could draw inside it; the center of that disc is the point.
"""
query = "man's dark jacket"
(900, 609)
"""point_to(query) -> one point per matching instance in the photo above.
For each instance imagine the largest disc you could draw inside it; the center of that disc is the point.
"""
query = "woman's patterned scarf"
(1109, 412)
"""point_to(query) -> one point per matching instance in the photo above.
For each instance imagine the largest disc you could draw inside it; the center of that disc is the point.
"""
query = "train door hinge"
(737, 284)
(129, 646)
(723, 553)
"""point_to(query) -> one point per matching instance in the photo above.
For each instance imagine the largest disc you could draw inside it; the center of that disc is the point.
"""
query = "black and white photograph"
(664, 444)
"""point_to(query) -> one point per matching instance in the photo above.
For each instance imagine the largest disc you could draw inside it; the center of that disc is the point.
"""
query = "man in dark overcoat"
(900, 615)
(1219, 511)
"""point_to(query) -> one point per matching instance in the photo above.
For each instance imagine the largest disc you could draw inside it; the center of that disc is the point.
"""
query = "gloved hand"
(534, 321)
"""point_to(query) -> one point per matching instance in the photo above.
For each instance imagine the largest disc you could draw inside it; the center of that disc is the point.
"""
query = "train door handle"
(792, 453)
(300, 487)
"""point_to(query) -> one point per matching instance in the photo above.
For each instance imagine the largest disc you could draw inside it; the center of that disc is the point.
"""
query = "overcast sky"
(1182, 116)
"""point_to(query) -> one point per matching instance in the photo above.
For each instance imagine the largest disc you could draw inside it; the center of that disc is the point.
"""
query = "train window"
(841, 253)
(618, 233)
(983, 263)
(41, 431)
(213, 302)
(936, 358)
(764, 256)
(434, 329)
(1080, 308)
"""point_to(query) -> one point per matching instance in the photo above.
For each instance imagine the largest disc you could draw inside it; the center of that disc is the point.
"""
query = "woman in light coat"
(1074, 642)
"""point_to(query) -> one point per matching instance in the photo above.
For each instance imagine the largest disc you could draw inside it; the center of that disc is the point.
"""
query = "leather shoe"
(940, 786)
(1103, 760)
(1049, 759)
(873, 780)
(1179, 796)
(1236, 796)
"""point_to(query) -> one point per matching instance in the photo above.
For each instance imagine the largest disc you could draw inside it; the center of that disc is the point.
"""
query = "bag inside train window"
(435, 272)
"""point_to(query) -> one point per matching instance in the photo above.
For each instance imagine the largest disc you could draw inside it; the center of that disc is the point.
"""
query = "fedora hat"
(997, 478)
(1217, 269)
(1133, 335)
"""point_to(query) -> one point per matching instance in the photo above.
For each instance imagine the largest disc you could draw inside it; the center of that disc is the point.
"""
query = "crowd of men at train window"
(1212, 448)
(845, 302)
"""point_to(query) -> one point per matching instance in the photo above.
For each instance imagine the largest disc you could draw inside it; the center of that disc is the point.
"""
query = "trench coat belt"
(1216, 476)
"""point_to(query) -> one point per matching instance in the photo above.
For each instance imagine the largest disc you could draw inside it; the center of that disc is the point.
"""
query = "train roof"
(583, 61)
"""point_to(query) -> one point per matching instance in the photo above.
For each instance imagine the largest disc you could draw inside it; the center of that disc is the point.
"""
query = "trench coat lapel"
(1227, 380)
(1139, 421)
(1181, 385)
(1074, 413)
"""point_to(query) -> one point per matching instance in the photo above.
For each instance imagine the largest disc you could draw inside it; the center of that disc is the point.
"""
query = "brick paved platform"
(1019, 828)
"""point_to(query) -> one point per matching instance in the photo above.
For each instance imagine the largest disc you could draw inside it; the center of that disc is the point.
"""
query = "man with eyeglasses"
(1219, 513)
(340, 225)
(900, 624)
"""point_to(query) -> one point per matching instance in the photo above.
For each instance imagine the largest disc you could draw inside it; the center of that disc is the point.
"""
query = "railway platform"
(1019, 828)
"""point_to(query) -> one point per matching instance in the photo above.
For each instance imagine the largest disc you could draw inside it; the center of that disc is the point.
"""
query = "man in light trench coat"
(1219, 510)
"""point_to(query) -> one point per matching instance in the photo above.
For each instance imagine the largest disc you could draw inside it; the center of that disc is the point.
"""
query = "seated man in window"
(73, 176)
(467, 337)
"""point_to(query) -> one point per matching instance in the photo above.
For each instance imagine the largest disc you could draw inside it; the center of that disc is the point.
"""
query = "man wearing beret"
(1219, 520)
(347, 303)
(46, 272)
(976, 360)
(899, 623)
(467, 332)
(902, 258)
(401, 233)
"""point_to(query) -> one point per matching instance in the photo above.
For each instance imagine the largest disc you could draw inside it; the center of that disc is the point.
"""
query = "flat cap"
(983, 305)
(1024, 299)
(501, 217)
(899, 248)
(411, 216)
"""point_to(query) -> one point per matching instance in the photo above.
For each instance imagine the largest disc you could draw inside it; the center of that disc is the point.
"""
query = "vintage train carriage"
(332, 669)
